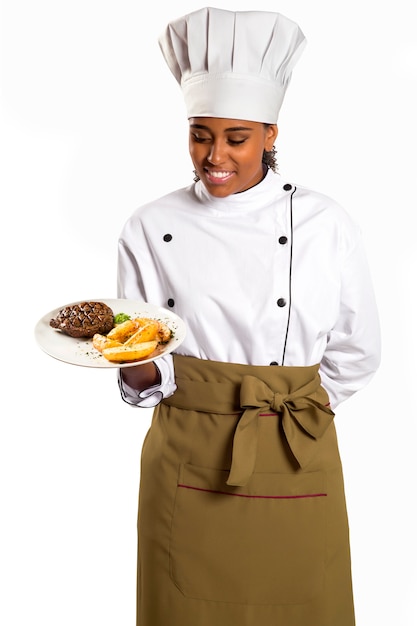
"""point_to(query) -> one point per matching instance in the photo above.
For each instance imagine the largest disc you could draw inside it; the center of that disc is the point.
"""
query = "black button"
(171, 302)
(283, 239)
(273, 363)
(167, 237)
(287, 187)
(281, 302)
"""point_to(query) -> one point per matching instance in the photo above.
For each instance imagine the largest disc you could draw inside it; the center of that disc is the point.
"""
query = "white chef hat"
(230, 64)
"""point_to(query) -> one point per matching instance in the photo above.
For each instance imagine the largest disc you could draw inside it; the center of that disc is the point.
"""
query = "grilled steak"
(84, 319)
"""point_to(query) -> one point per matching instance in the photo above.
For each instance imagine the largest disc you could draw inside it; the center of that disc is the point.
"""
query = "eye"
(199, 138)
(236, 142)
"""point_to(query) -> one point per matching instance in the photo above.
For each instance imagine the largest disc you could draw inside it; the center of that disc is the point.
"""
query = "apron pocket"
(259, 544)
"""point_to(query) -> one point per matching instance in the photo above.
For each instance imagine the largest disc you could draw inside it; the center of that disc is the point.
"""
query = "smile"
(218, 176)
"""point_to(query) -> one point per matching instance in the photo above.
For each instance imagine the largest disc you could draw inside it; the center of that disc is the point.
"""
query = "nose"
(216, 153)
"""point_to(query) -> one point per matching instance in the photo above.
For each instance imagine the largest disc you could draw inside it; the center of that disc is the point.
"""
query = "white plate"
(81, 351)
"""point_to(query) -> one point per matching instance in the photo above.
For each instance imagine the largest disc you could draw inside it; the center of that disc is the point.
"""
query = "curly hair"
(270, 160)
(269, 157)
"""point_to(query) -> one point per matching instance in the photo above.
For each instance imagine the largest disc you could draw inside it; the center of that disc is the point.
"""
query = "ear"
(270, 136)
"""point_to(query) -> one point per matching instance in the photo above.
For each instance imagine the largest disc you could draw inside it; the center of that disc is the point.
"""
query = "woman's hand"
(142, 376)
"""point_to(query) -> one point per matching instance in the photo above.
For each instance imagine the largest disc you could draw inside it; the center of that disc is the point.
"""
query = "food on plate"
(124, 353)
(102, 341)
(84, 319)
(122, 332)
(119, 338)
(144, 328)
(121, 317)
(164, 332)
(147, 331)
(132, 340)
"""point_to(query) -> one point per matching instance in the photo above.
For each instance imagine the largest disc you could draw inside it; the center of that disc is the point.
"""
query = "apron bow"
(303, 420)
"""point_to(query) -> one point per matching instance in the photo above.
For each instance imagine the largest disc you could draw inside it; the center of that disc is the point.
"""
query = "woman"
(242, 517)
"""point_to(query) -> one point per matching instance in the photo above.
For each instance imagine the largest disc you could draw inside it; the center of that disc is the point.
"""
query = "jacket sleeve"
(353, 350)
(130, 285)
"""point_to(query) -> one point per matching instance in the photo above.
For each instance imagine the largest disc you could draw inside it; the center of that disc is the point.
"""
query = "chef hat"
(235, 65)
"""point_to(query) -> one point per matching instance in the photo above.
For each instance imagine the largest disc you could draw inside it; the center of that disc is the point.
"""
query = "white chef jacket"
(275, 275)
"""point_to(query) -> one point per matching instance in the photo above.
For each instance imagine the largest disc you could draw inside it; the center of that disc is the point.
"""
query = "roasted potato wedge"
(164, 332)
(135, 352)
(102, 341)
(147, 332)
(123, 331)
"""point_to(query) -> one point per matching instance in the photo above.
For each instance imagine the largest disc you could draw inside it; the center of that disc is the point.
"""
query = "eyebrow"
(231, 129)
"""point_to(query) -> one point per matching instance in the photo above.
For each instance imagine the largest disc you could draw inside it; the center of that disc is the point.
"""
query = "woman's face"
(227, 154)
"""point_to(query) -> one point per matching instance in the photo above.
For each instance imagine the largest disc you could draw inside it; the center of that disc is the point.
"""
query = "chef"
(242, 517)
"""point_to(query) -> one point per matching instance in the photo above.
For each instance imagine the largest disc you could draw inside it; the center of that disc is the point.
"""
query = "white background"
(93, 125)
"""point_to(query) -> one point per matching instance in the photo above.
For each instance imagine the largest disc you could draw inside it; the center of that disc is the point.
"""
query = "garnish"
(121, 317)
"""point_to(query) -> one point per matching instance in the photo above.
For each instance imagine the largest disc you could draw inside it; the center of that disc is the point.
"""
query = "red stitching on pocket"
(246, 495)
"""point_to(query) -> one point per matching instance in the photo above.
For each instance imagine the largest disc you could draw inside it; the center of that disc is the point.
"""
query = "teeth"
(219, 174)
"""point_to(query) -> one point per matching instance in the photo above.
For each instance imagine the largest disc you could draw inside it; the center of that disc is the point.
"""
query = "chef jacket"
(275, 275)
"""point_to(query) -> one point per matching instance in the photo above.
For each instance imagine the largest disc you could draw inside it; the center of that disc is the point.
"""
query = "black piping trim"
(289, 277)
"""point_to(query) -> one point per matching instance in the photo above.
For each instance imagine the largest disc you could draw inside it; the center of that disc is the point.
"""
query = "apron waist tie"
(303, 419)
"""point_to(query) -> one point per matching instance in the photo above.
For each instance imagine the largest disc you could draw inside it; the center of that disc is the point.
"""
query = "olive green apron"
(242, 516)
